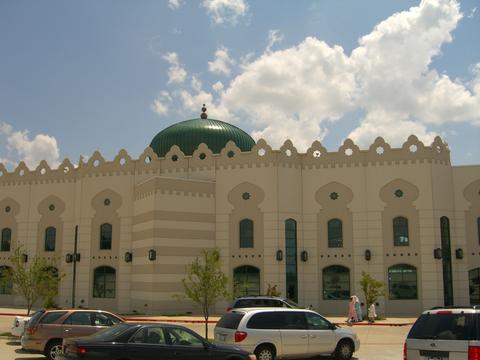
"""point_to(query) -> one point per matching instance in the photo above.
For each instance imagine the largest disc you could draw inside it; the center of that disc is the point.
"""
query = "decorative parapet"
(176, 162)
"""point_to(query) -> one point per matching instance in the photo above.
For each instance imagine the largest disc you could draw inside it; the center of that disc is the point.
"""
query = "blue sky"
(80, 76)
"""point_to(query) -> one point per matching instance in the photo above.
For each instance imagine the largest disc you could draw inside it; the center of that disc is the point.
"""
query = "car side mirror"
(333, 326)
(206, 345)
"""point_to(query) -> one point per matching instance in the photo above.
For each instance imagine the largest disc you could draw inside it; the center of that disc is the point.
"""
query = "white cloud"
(274, 37)
(196, 83)
(222, 62)
(218, 86)
(176, 73)
(175, 4)
(161, 103)
(225, 11)
(297, 93)
(32, 151)
(472, 13)
(387, 76)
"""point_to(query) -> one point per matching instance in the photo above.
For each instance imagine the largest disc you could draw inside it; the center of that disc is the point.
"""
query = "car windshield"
(111, 333)
(445, 326)
(292, 303)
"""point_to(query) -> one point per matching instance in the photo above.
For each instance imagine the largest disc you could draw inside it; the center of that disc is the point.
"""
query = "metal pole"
(74, 266)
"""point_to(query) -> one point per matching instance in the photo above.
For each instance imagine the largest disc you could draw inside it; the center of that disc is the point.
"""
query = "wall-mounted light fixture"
(437, 253)
(304, 256)
(368, 255)
(128, 257)
(68, 258)
(76, 257)
(24, 258)
(152, 254)
(459, 253)
(279, 255)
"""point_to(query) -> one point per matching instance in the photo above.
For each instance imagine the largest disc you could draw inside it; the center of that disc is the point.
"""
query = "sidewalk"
(197, 319)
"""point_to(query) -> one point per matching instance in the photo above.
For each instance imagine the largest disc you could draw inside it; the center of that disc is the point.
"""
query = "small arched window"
(104, 282)
(402, 282)
(246, 233)
(106, 236)
(6, 239)
(474, 286)
(336, 283)
(6, 283)
(400, 231)
(335, 233)
(50, 238)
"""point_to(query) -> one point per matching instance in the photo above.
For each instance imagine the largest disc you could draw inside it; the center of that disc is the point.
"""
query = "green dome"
(187, 135)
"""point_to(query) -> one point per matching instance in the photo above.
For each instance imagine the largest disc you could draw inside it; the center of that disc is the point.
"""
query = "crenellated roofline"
(349, 154)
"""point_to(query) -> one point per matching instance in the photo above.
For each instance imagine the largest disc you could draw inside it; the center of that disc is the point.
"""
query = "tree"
(205, 283)
(33, 280)
(372, 289)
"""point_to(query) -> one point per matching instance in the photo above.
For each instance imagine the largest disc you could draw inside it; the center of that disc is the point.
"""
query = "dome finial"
(204, 114)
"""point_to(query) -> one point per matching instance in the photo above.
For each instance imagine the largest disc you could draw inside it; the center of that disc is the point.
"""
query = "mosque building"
(309, 223)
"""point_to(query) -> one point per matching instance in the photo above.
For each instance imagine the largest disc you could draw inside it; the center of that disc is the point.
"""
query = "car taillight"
(474, 353)
(240, 336)
(74, 349)
(229, 309)
(17, 323)
(405, 350)
(444, 312)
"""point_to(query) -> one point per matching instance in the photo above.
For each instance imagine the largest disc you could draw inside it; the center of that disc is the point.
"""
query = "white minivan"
(283, 333)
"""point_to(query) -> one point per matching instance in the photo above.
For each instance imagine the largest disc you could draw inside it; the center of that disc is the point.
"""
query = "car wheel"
(265, 352)
(344, 350)
(53, 350)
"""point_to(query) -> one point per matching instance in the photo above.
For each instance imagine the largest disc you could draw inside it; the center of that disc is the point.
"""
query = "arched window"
(402, 282)
(478, 229)
(291, 259)
(105, 236)
(6, 284)
(104, 282)
(400, 231)
(335, 233)
(474, 286)
(336, 283)
(50, 237)
(246, 233)
(246, 281)
(6, 239)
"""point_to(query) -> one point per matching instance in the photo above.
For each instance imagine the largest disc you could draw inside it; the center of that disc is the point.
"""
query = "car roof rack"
(474, 307)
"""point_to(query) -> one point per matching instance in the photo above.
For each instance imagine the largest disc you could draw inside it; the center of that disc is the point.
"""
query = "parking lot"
(377, 342)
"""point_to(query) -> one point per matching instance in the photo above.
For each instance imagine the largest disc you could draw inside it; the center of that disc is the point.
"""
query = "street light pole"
(74, 265)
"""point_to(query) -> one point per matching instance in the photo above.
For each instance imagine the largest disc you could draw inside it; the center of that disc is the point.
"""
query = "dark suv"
(262, 301)
(444, 334)
(45, 331)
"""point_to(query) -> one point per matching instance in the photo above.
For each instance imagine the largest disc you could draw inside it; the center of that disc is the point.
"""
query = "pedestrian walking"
(372, 313)
(352, 314)
(358, 308)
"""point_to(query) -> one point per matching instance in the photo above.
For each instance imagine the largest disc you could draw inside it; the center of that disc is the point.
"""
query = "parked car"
(46, 329)
(145, 341)
(451, 333)
(19, 325)
(261, 302)
(285, 333)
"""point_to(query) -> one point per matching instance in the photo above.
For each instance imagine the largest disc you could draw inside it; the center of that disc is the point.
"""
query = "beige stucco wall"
(180, 207)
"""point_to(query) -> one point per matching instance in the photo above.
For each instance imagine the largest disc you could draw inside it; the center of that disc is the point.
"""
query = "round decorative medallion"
(246, 196)
(174, 157)
(334, 195)
(106, 202)
(230, 154)
(7, 209)
(202, 156)
(51, 207)
(398, 193)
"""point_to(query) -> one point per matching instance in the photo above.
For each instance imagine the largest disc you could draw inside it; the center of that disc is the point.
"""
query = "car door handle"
(312, 336)
(304, 336)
